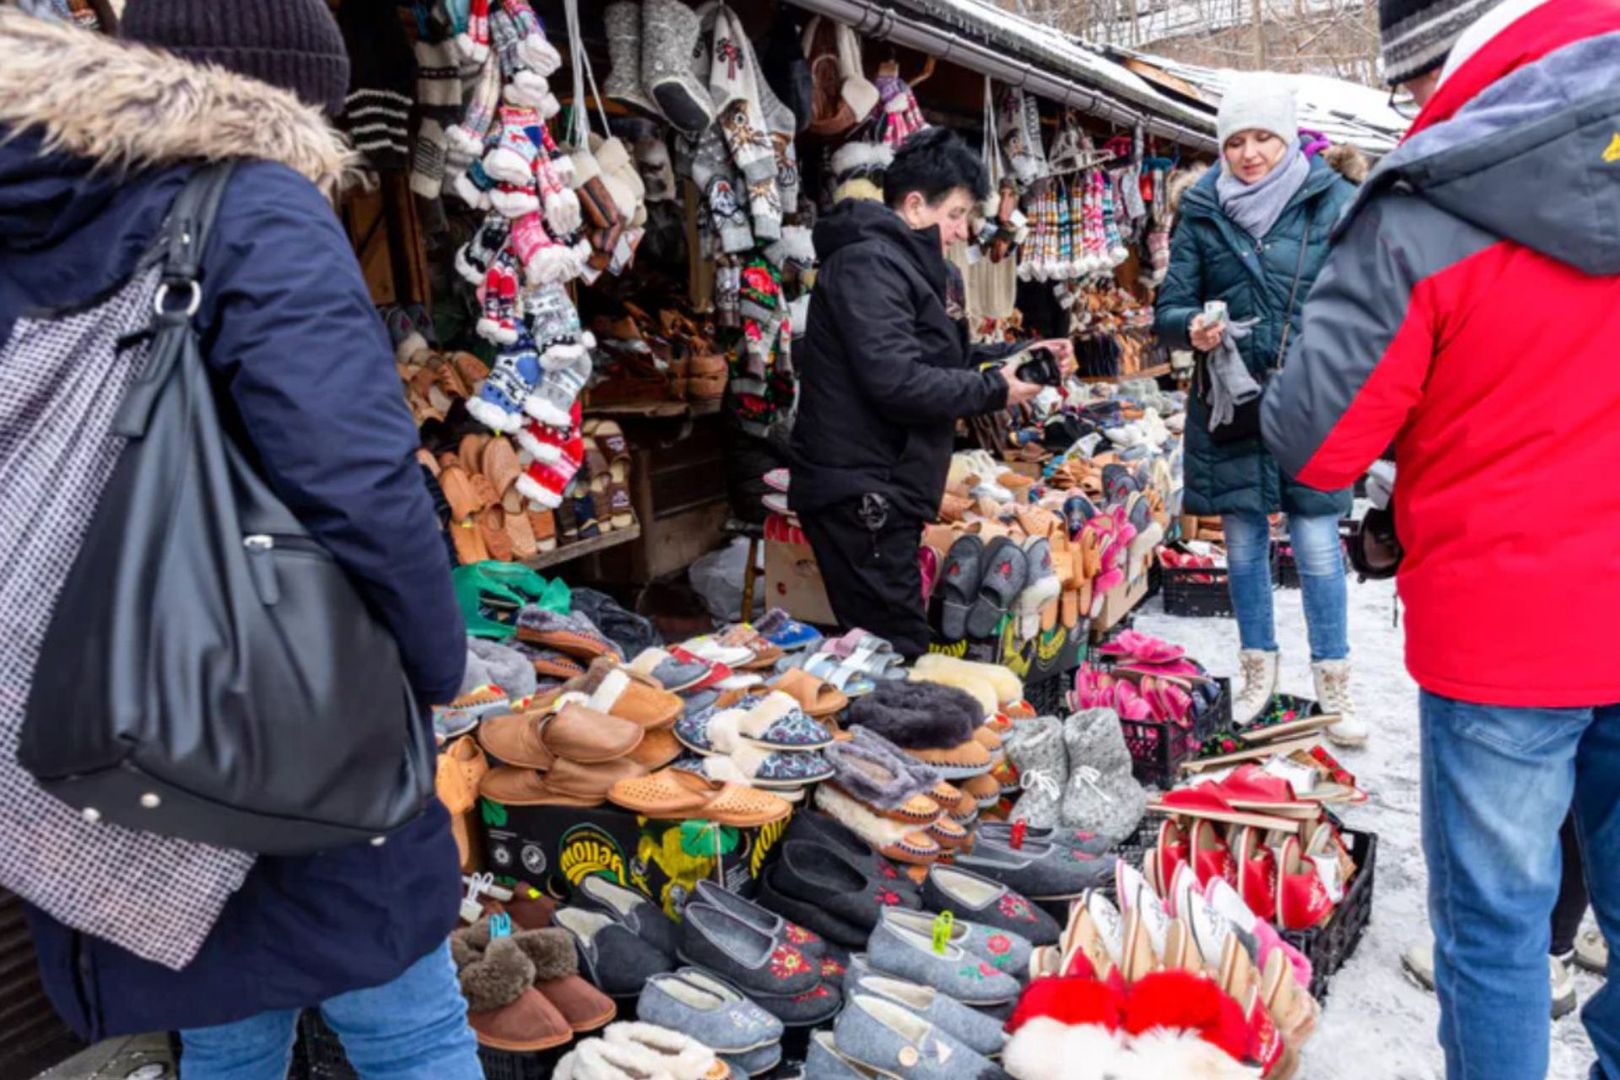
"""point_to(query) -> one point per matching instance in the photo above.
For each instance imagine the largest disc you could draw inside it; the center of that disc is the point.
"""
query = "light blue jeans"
(414, 1028)
(1320, 559)
(1497, 784)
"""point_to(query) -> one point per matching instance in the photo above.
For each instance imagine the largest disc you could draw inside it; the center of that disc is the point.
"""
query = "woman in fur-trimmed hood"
(96, 139)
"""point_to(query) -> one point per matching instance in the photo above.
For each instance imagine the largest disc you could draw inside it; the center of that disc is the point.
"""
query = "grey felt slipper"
(1002, 949)
(631, 909)
(825, 1062)
(977, 1031)
(500, 664)
(612, 955)
(1006, 572)
(882, 1035)
(1080, 839)
(898, 951)
(1042, 761)
(753, 961)
(1041, 871)
(710, 1010)
(812, 1008)
(766, 922)
(755, 1062)
(959, 586)
(1101, 794)
(988, 903)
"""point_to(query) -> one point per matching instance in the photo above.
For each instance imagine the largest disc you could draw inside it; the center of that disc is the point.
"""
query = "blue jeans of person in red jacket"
(1497, 785)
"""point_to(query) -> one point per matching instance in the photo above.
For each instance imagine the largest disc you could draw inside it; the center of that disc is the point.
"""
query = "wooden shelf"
(581, 548)
(1146, 373)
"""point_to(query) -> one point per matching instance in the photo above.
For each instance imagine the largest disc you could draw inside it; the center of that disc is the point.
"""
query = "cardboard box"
(793, 581)
(554, 848)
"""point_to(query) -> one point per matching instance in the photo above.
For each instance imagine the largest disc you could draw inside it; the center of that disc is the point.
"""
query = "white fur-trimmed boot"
(1259, 672)
(1333, 697)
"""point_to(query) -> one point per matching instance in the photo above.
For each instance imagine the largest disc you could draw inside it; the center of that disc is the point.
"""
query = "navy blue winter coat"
(307, 380)
(1213, 258)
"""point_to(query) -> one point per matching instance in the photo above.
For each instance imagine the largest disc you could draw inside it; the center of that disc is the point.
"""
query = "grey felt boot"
(1038, 752)
(669, 39)
(623, 82)
(1102, 796)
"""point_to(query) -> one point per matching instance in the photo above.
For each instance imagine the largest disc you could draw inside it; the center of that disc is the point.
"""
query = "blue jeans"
(414, 1028)
(1497, 784)
(1320, 559)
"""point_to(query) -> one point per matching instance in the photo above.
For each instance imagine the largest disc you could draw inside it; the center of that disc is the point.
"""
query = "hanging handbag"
(1245, 422)
(210, 672)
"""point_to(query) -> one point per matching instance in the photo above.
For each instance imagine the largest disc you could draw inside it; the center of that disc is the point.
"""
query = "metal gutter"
(883, 24)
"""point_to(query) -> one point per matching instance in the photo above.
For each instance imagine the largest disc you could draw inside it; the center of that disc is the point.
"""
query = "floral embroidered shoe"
(1004, 950)
(766, 769)
(906, 954)
(821, 877)
(1079, 839)
(610, 953)
(713, 1012)
(766, 922)
(978, 1032)
(812, 1008)
(988, 903)
(755, 962)
(1039, 870)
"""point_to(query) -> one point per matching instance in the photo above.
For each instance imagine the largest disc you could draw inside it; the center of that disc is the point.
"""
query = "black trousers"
(872, 577)
(1571, 906)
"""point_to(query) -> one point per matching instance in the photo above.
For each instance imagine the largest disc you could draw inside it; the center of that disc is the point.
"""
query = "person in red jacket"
(1469, 314)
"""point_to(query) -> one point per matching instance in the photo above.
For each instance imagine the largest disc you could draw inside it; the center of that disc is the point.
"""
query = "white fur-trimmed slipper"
(675, 1053)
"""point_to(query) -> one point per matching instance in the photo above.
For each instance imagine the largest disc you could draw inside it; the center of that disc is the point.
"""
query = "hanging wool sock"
(553, 323)
(1117, 251)
(536, 51)
(564, 374)
(512, 160)
(438, 84)
(563, 214)
(468, 134)
(544, 261)
(1159, 253)
(1068, 259)
(474, 258)
(498, 323)
(473, 42)
(473, 185)
(546, 481)
(522, 84)
(499, 404)
(428, 159)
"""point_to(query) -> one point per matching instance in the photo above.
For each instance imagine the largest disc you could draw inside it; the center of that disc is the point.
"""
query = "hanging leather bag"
(210, 672)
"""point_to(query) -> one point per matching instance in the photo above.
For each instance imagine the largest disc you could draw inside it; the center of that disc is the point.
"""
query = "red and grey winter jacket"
(1470, 314)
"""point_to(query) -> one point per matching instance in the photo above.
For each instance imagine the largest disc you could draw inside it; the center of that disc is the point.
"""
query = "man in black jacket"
(885, 373)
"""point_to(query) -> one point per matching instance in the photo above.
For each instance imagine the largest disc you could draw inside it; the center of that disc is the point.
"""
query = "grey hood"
(1534, 158)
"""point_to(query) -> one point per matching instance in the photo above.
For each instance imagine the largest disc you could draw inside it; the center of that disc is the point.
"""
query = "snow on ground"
(1376, 1025)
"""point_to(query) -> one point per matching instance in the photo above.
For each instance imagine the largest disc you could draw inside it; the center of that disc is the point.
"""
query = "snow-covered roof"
(1343, 111)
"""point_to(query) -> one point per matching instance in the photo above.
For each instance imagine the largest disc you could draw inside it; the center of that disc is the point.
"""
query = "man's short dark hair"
(935, 162)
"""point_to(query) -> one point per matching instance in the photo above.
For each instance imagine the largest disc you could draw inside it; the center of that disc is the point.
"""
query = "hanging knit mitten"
(468, 134)
(537, 52)
(553, 322)
(499, 404)
(512, 160)
(551, 175)
(563, 377)
(522, 85)
(474, 258)
(545, 482)
(473, 185)
(543, 442)
(498, 323)
(544, 261)
(1117, 251)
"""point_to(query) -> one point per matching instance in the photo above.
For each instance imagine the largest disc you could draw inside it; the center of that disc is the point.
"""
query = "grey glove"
(1230, 383)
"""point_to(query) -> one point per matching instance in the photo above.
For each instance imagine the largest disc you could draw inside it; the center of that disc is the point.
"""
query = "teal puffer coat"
(1212, 258)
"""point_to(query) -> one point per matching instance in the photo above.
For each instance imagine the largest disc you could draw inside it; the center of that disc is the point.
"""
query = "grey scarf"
(1256, 207)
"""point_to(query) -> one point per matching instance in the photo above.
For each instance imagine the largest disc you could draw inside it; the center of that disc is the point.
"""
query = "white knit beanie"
(1259, 102)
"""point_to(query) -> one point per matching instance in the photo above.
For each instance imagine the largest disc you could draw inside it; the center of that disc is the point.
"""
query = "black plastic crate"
(1330, 945)
(1196, 592)
(318, 1055)
(1159, 747)
(1050, 696)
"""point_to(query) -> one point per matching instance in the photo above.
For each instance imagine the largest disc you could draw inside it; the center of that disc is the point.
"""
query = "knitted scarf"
(1256, 207)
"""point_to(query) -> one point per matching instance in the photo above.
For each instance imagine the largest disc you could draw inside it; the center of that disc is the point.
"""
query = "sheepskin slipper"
(901, 841)
(504, 1009)
(598, 1059)
(883, 780)
(675, 1053)
(1009, 688)
(918, 716)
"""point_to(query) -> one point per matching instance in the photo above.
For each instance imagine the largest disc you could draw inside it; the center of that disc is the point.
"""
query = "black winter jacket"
(884, 371)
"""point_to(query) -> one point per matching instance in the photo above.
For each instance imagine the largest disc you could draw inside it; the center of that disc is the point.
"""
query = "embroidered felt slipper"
(761, 919)
(1006, 571)
(1004, 950)
(812, 1008)
(821, 829)
(1041, 872)
(710, 1010)
(760, 768)
(629, 908)
(755, 1062)
(902, 952)
(754, 961)
(612, 688)
(980, 1033)
(899, 840)
(958, 586)
(825, 880)
(1080, 839)
(988, 903)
